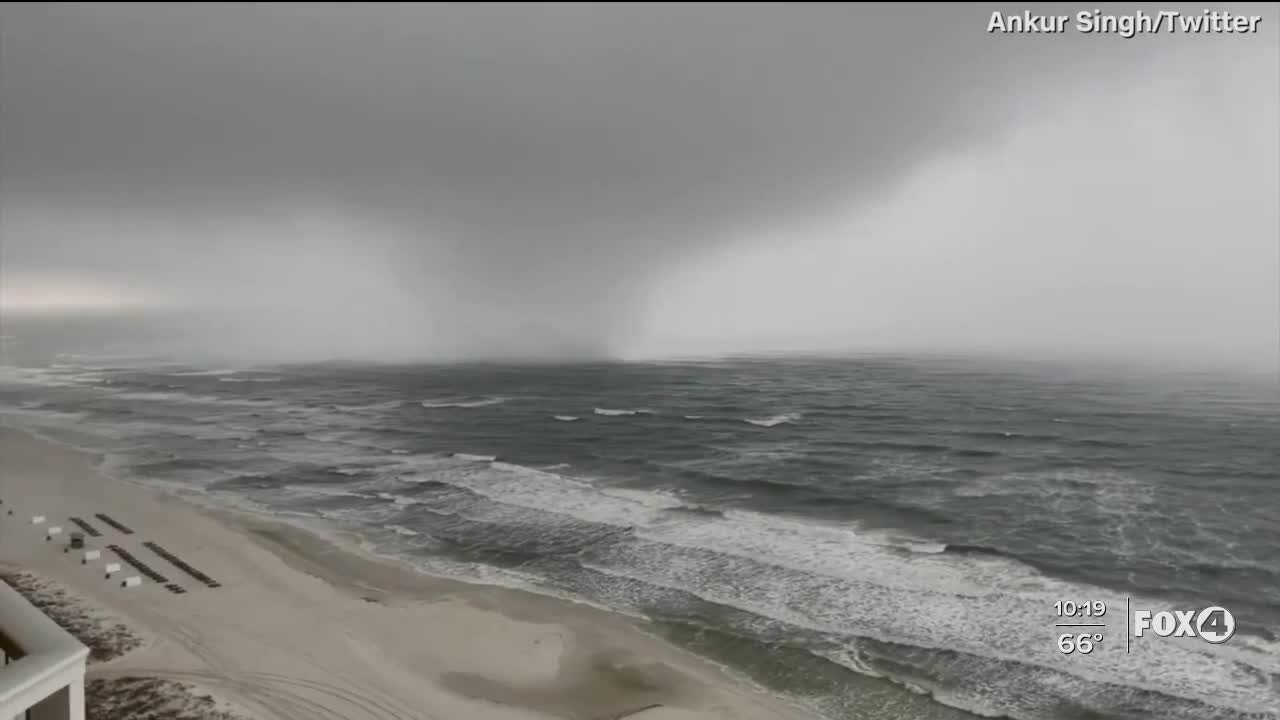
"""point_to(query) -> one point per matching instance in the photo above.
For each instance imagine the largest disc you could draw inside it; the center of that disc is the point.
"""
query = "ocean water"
(879, 538)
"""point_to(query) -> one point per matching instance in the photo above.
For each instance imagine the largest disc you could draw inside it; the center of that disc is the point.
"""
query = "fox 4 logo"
(1213, 624)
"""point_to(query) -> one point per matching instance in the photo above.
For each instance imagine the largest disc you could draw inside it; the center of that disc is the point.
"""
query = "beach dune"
(300, 627)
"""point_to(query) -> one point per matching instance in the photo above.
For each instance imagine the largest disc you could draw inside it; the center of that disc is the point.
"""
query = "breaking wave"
(473, 458)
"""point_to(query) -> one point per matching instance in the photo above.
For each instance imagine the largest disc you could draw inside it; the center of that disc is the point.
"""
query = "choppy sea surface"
(876, 538)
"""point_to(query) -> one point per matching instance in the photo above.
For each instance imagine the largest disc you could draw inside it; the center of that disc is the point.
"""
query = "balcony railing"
(43, 673)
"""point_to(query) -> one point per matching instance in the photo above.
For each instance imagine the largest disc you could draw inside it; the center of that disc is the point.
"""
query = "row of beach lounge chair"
(132, 560)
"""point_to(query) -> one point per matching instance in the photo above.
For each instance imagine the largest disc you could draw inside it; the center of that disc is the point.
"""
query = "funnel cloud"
(445, 182)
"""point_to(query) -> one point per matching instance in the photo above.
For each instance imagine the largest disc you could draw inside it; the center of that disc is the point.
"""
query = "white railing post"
(75, 699)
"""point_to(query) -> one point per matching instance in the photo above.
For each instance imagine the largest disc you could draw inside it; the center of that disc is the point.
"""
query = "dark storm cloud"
(506, 170)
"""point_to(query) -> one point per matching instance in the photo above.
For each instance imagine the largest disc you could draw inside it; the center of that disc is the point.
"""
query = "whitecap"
(461, 403)
(473, 458)
(773, 421)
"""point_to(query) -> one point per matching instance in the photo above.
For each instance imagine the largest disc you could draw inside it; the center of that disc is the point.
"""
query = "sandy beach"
(305, 628)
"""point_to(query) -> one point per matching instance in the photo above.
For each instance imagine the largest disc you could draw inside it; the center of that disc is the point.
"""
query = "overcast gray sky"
(386, 181)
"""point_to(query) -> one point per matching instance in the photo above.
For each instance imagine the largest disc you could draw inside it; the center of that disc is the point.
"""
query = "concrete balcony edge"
(51, 658)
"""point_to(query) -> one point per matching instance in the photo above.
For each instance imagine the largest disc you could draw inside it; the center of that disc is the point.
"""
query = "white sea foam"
(474, 458)
(1003, 622)
(615, 413)
(774, 421)
(323, 491)
(549, 492)
(401, 500)
(566, 418)
(652, 499)
(372, 407)
(197, 431)
(844, 581)
(850, 658)
(203, 373)
(48, 377)
(462, 403)
(184, 398)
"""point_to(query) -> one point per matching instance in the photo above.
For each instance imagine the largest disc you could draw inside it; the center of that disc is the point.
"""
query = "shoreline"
(511, 653)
